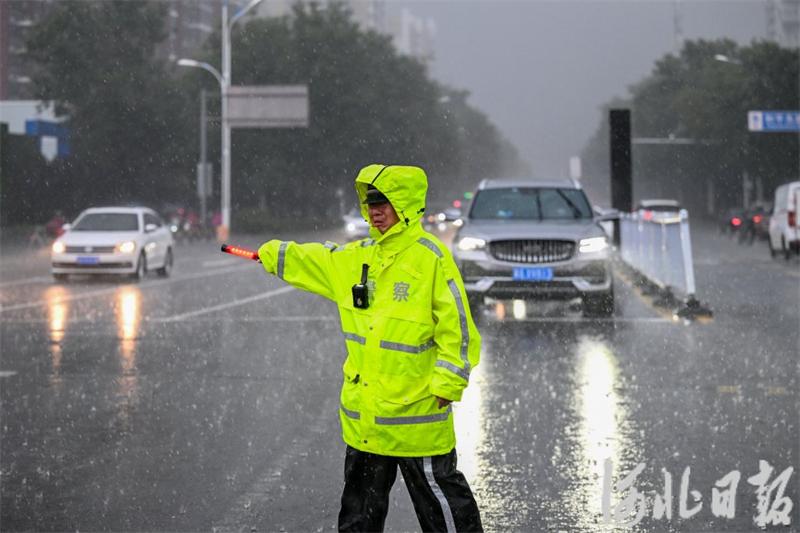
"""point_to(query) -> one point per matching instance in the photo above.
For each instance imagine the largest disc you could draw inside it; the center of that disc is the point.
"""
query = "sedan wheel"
(165, 270)
(141, 268)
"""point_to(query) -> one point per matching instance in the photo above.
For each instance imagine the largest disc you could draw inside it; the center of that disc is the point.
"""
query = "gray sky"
(542, 69)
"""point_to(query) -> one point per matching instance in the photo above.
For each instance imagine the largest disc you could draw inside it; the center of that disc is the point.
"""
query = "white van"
(784, 233)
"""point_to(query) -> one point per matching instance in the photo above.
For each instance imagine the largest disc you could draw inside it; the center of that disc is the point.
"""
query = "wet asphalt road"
(209, 401)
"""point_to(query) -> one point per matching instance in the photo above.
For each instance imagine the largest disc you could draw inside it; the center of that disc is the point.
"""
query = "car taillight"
(757, 219)
(648, 215)
(792, 219)
(736, 221)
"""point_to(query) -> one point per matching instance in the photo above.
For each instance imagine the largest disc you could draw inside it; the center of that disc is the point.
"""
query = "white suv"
(525, 239)
(114, 240)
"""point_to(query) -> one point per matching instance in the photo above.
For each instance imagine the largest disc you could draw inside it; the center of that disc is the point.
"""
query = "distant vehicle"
(650, 209)
(731, 220)
(451, 214)
(784, 233)
(534, 240)
(114, 240)
(355, 225)
(755, 223)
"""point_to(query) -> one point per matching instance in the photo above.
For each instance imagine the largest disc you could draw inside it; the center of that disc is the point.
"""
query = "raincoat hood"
(404, 186)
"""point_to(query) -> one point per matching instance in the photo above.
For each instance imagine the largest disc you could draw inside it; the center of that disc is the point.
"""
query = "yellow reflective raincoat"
(415, 341)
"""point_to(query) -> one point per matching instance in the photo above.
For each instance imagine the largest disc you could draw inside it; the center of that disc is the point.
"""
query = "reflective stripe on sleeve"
(450, 523)
(355, 338)
(462, 317)
(282, 258)
(423, 419)
(355, 415)
(427, 243)
(330, 246)
(454, 369)
(408, 348)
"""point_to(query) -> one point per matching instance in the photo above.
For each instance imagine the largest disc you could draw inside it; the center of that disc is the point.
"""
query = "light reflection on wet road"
(209, 399)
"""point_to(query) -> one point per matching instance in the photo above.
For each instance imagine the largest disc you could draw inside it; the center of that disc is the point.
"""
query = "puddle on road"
(604, 429)
(57, 311)
(508, 471)
(128, 317)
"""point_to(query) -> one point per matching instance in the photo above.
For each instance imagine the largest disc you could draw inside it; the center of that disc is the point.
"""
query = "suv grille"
(532, 251)
(90, 249)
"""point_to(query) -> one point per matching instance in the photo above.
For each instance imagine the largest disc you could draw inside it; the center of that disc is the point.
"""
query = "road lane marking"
(258, 319)
(777, 391)
(220, 262)
(584, 319)
(26, 281)
(728, 389)
(228, 305)
(7, 373)
(250, 319)
(110, 290)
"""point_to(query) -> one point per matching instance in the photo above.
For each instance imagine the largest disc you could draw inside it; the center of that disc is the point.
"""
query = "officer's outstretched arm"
(306, 266)
(458, 342)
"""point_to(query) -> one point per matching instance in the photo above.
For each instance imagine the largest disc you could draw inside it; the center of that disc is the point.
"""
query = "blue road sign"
(773, 121)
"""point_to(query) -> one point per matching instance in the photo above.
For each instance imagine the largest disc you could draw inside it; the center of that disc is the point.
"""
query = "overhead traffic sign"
(268, 106)
(768, 121)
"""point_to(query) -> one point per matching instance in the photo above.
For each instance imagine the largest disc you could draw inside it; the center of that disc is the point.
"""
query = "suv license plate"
(533, 274)
(86, 260)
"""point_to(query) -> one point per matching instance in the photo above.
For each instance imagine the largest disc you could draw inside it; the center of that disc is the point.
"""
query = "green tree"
(695, 96)
(133, 119)
(368, 104)
(96, 60)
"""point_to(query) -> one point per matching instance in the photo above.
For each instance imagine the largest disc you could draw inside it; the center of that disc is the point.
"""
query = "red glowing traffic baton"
(241, 252)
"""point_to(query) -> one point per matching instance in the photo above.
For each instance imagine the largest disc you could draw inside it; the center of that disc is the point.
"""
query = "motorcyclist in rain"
(411, 345)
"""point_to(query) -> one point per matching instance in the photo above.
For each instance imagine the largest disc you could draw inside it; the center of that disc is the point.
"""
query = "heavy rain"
(558, 252)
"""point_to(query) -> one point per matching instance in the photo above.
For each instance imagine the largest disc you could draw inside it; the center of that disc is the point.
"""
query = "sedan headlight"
(58, 247)
(468, 244)
(593, 244)
(126, 247)
(351, 227)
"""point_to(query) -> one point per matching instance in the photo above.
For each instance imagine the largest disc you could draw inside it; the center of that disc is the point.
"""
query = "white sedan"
(114, 240)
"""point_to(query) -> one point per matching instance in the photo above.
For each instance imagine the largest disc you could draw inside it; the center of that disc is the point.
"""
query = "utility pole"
(225, 192)
(203, 159)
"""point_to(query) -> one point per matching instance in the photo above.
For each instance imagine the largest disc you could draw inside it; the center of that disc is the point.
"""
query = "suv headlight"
(468, 244)
(593, 244)
(126, 247)
(58, 247)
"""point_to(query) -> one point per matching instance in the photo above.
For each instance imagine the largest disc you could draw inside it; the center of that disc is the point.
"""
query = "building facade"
(187, 26)
(783, 22)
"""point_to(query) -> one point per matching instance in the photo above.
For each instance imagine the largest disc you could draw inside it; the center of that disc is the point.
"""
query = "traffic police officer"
(411, 345)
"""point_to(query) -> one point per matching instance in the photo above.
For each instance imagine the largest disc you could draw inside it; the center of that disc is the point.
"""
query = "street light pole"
(203, 160)
(225, 189)
(224, 80)
(225, 193)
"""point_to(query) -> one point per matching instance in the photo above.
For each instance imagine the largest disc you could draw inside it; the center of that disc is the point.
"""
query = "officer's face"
(382, 216)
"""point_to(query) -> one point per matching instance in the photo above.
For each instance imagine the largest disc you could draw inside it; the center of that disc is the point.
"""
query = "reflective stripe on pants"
(442, 498)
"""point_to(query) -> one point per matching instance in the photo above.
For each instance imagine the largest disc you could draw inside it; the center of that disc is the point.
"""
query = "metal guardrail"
(659, 247)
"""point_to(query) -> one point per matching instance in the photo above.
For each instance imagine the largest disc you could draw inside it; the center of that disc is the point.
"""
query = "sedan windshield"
(531, 203)
(108, 222)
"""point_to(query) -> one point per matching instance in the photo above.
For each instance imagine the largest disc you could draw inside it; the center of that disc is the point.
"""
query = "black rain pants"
(442, 498)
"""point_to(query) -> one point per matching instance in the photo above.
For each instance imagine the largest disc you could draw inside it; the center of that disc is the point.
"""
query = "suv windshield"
(108, 222)
(530, 203)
